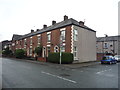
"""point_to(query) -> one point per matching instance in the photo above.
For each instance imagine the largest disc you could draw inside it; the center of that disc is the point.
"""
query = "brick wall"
(55, 40)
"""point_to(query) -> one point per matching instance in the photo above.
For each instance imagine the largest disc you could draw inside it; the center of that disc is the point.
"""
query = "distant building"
(6, 44)
(108, 45)
(69, 35)
(14, 39)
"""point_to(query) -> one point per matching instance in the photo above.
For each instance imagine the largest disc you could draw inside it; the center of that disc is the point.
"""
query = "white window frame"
(31, 41)
(48, 38)
(61, 36)
(25, 42)
(105, 45)
(75, 35)
(75, 51)
(13, 44)
(38, 39)
(16, 42)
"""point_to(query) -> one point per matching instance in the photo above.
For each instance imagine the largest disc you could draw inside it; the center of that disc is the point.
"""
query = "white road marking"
(59, 77)
(103, 71)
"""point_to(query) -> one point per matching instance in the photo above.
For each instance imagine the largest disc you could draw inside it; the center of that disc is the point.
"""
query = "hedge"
(19, 53)
(65, 58)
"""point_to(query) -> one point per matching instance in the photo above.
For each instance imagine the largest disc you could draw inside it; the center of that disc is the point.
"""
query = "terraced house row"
(72, 36)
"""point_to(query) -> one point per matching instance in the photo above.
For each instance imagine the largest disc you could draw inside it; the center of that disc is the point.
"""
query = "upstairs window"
(63, 35)
(30, 40)
(13, 44)
(39, 39)
(75, 35)
(105, 45)
(25, 42)
(48, 37)
(16, 42)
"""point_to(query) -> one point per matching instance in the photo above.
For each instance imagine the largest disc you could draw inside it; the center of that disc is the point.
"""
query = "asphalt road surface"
(27, 74)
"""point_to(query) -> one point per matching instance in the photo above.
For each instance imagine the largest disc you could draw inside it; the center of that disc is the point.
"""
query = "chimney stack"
(81, 23)
(37, 30)
(53, 22)
(44, 26)
(32, 31)
(65, 17)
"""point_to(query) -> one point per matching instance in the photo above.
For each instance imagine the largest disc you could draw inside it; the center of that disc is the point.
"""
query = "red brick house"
(71, 35)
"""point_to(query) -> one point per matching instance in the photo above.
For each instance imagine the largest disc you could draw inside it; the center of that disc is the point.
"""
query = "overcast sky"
(20, 16)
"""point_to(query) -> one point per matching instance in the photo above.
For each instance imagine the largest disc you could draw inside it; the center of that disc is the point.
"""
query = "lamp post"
(60, 47)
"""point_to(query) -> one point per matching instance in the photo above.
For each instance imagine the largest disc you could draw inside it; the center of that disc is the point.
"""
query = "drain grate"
(64, 74)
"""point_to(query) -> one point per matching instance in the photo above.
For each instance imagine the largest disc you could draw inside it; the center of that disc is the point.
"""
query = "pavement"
(70, 66)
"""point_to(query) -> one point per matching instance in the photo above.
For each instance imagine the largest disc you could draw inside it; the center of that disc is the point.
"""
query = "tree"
(38, 50)
(7, 52)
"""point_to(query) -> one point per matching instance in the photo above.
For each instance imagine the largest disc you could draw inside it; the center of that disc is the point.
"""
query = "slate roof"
(16, 37)
(56, 26)
(109, 38)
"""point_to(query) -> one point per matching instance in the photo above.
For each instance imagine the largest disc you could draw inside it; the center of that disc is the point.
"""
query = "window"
(75, 51)
(75, 36)
(30, 40)
(105, 45)
(48, 37)
(13, 44)
(25, 42)
(39, 39)
(63, 49)
(16, 42)
(63, 35)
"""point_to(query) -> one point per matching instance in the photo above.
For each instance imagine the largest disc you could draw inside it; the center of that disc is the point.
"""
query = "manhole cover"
(64, 75)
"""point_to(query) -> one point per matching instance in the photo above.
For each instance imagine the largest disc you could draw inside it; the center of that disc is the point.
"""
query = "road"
(27, 74)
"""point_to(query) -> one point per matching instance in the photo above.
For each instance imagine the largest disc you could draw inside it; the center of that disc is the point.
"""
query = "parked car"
(108, 60)
(117, 57)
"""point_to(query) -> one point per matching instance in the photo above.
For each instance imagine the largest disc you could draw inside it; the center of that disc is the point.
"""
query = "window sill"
(48, 42)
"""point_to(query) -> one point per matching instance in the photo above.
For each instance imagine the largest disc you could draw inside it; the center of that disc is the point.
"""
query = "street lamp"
(61, 42)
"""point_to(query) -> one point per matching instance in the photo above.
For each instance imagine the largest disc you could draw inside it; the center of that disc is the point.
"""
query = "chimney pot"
(81, 23)
(32, 31)
(44, 26)
(65, 17)
(53, 22)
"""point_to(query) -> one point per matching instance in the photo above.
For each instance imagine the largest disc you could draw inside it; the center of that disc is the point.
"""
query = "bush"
(38, 50)
(19, 53)
(65, 58)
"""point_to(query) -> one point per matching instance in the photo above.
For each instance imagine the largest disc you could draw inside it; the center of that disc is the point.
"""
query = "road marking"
(59, 77)
(103, 71)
